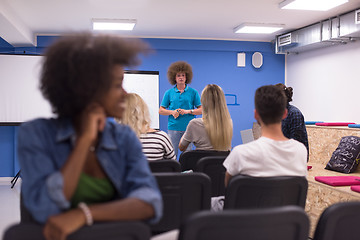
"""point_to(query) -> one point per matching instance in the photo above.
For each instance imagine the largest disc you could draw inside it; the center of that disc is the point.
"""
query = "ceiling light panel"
(114, 24)
(315, 5)
(258, 28)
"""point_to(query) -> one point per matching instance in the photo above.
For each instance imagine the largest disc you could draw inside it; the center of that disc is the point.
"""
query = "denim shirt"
(43, 148)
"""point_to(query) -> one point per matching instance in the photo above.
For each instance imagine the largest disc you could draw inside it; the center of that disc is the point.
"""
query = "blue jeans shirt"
(44, 146)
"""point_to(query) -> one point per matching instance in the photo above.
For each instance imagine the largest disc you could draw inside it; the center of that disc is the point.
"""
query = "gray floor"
(9, 204)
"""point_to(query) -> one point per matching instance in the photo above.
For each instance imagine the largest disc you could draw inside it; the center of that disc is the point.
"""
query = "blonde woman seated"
(155, 143)
(214, 130)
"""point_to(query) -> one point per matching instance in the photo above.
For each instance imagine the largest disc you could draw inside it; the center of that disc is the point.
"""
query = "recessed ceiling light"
(261, 28)
(316, 5)
(114, 24)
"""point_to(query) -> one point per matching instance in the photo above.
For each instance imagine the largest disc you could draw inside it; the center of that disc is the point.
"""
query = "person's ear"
(285, 113)
(256, 115)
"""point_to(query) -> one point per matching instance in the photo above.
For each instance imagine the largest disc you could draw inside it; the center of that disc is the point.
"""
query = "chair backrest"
(339, 222)
(165, 165)
(213, 167)
(280, 223)
(183, 194)
(29, 229)
(189, 159)
(129, 230)
(261, 192)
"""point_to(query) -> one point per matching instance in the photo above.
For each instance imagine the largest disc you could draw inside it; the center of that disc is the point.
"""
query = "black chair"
(129, 230)
(189, 159)
(183, 194)
(339, 222)
(29, 229)
(261, 192)
(165, 165)
(213, 167)
(280, 223)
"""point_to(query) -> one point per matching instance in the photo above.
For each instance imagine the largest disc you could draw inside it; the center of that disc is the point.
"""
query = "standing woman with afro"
(181, 103)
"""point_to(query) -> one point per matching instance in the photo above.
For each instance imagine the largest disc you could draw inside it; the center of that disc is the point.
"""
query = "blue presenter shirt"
(187, 100)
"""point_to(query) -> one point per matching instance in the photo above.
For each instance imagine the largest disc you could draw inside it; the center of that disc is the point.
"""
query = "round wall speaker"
(257, 60)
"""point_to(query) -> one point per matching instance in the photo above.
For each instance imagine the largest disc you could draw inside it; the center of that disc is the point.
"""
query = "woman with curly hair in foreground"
(80, 168)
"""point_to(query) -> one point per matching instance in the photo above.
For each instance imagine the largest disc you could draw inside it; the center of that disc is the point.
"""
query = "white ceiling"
(22, 20)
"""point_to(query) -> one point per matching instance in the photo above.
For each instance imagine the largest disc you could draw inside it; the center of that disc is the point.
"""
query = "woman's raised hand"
(93, 121)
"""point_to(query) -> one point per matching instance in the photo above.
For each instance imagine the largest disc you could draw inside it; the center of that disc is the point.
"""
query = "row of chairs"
(337, 222)
(185, 194)
(208, 162)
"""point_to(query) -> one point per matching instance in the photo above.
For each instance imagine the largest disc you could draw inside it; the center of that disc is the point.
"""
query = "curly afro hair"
(177, 67)
(77, 69)
(287, 90)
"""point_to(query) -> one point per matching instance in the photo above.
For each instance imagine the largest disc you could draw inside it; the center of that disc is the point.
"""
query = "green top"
(92, 190)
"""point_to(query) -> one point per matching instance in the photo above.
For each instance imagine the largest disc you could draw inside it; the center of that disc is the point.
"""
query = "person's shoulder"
(296, 144)
(193, 90)
(120, 130)
(253, 146)
(293, 109)
(39, 123)
(170, 90)
(196, 122)
(158, 132)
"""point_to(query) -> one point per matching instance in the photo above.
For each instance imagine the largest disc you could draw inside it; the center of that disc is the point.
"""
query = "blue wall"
(212, 61)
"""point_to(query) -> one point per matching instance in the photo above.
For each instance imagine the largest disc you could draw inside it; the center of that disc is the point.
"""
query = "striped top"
(157, 146)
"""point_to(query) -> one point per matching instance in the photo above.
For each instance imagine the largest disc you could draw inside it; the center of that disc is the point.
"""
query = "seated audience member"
(156, 144)
(272, 154)
(79, 168)
(214, 130)
(293, 126)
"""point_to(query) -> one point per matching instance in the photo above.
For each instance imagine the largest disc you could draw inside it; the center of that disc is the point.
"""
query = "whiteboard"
(146, 84)
(21, 99)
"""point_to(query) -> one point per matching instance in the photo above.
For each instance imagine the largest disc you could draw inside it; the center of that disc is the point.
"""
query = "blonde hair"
(216, 117)
(136, 114)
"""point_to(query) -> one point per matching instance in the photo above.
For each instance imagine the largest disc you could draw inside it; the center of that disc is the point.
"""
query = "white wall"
(326, 83)
(21, 99)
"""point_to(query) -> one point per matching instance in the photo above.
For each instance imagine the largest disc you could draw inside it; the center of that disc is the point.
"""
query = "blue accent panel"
(212, 61)
(5, 47)
(215, 62)
(7, 50)
(4, 44)
(7, 151)
(16, 162)
(28, 50)
(209, 45)
(45, 41)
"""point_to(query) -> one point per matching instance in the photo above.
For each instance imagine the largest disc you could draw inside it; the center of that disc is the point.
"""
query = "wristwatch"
(192, 111)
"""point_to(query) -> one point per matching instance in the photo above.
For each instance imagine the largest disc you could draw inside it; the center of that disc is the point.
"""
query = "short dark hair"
(270, 103)
(77, 68)
(177, 67)
(287, 90)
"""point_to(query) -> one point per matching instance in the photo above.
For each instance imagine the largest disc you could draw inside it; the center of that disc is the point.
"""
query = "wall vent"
(357, 16)
(284, 40)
